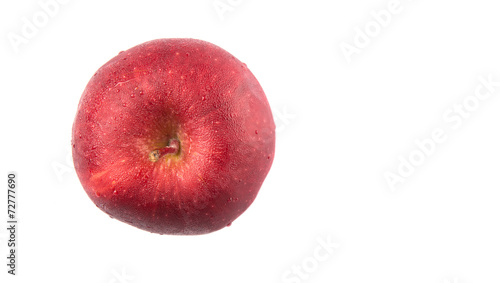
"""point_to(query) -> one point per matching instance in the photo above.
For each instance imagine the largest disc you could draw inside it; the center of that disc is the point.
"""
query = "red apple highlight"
(173, 136)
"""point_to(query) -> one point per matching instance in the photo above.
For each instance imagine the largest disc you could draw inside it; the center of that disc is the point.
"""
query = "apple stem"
(172, 147)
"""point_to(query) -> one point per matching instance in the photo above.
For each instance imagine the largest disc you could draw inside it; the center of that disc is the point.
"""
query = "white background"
(344, 122)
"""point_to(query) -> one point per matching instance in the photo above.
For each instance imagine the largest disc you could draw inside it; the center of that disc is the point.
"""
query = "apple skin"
(159, 93)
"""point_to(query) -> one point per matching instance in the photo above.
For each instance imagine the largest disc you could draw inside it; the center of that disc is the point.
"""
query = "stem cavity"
(172, 148)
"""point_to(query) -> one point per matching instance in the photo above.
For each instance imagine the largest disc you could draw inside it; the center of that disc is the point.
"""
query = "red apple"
(173, 136)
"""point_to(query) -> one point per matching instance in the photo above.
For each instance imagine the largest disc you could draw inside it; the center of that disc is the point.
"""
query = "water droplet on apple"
(124, 104)
(97, 194)
(121, 52)
(115, 192)
(229, 224)
(94, 146)
(187, 54)
(132, 95)
(117, 90)
(269, 157)
(203, 98)
(141, 92)
(256, 132)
